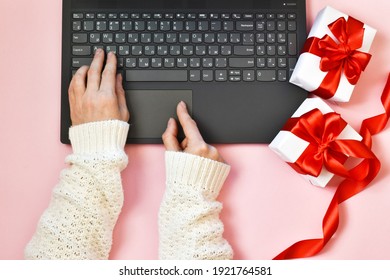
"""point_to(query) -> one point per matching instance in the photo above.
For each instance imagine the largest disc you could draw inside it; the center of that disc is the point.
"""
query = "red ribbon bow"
(339, 56)
(347, 188)
(324, 149)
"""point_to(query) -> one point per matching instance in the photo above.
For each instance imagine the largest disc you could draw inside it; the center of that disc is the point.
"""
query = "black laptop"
(229, 60)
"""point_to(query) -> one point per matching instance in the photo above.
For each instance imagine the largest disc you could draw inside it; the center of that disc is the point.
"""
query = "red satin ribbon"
(341, 56)
(347, 188)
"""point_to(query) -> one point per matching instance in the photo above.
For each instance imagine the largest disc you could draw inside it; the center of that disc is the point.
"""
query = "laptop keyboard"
(190, 47)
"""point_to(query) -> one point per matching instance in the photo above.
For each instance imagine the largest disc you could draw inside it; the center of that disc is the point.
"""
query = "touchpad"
(150, 110)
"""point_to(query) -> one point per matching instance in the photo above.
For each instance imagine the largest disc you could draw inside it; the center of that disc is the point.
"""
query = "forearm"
(189, 223)
(85, 205)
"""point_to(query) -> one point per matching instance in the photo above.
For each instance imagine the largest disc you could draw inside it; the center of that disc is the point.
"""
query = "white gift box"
(307, 73)
(290, 147)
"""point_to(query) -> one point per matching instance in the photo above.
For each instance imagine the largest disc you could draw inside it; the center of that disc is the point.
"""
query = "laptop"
(229, 60)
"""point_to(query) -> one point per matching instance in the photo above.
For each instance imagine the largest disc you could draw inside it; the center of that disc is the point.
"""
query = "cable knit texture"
(189, 224)
(85, 205)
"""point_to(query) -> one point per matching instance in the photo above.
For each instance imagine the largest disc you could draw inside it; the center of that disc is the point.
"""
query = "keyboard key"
(266, 75)
(291, 65)
(235, 38)
(136, 50)
(94, 38)
(291, 16)
(248, 75)
(248, 39)
(120, 38)
(182, 62)
(220, 62)
(195, 62)
(77, 62)
(260, 25)
(150, 50)
(190, 25)
(260, 16)
(281, 26)
(177, 26)
(156, 75)
(139, 25)
(79, 38)
(101, 25)
(124, 50)
(207, 62)
(88, 25)
(131, 62)
(127, 25)
(188, 50)
(78, 16)
(260, 62)
(124, 16)
(292, 43)
(111, 49)
(247, 16)
(76, 26)
(169, 62)
(244, 25)
(81, 50)
(244, 62)
(282, 75)
(108, 38)
(234, 78)
(151, 25)
(143, 62)
(156, 62)
(292, 26)
(243, 50)
(228, 25)
(203, 25)
(271, 26)
(207, 75)
(215, 26)
(226, 50)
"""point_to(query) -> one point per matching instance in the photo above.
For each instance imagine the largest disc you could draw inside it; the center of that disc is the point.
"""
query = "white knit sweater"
(85, 205)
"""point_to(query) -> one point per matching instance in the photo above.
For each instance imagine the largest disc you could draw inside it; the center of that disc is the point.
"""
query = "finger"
(95, 70)
(121, 98)
(77, 84)
(190, 128)
(170, 137)
(184, 144)
(109, 74)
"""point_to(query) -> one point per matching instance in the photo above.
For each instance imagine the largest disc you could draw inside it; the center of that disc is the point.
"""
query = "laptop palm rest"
(157, 107)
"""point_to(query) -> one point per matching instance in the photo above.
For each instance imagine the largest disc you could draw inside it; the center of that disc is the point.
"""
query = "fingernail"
(183, 104)
(98, 51)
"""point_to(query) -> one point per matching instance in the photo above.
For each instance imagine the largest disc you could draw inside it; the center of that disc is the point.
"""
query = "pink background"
(267, 206)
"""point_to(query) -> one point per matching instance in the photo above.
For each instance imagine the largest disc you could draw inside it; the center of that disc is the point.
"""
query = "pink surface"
(267, 206)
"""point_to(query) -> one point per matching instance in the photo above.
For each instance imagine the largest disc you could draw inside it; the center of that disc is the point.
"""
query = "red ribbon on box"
(339, 56)
(349, 187)
(324, 149)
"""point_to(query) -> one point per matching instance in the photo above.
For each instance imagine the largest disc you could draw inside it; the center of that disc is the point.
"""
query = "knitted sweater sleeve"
(86, 203)
(189, 223)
